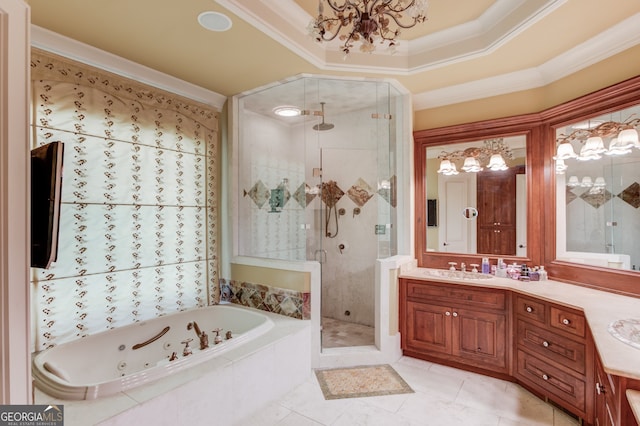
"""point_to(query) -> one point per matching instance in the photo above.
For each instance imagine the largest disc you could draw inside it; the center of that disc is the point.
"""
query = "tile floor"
(443, 397)
(337, 334)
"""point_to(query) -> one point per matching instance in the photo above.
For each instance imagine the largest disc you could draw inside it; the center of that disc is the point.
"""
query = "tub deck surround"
(124, 358)
(245, 377)
(600, 309)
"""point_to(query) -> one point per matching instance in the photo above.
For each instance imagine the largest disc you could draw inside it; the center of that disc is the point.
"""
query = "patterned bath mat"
(359, 382)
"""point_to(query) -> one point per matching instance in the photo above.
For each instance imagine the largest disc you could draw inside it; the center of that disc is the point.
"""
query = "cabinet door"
(428, 328)
(605, 412)
(480, 337)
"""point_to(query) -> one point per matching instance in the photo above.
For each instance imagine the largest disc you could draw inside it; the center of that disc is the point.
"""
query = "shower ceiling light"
(287, 111)
(365, 21)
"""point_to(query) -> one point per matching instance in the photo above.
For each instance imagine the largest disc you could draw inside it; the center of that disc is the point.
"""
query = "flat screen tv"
(46, 187)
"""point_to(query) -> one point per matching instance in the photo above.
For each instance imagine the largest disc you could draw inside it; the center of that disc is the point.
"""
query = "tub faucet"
(202, 336)
(187, 350)
(217, 339)
(204, 341)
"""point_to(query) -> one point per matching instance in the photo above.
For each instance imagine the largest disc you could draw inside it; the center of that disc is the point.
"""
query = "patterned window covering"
(138, 213)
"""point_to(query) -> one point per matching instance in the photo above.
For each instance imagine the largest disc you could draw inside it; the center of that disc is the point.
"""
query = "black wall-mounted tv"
(46, 187)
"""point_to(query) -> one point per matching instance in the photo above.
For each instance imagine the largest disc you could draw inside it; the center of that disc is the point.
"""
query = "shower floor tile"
(336, 334)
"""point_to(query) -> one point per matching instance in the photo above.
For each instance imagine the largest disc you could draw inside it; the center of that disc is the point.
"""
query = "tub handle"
(153, 339)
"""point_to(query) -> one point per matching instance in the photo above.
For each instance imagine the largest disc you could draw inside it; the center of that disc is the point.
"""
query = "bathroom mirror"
(597, 164)
(470, 213)
(485, 179)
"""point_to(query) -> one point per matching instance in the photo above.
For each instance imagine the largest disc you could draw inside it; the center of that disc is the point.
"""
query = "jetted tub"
(127, 357)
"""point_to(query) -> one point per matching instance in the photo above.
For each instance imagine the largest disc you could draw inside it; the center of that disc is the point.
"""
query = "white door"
(455, 233)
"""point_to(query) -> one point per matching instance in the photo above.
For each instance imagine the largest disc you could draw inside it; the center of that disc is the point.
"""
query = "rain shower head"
(323, 126)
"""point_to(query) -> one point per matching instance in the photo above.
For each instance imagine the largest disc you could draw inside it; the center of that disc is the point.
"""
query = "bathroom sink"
(627, 331)
(458, 274)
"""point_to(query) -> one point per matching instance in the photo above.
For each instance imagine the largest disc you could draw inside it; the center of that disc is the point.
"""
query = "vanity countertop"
(601, 309)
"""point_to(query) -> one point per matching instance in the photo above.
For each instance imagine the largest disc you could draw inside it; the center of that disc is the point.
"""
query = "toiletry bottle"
(543, 274)
(486, 268)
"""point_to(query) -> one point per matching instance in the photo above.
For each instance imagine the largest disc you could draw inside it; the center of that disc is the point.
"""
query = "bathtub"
(127, 357)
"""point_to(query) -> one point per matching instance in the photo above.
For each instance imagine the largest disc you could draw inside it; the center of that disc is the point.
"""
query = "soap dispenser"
(486, 268)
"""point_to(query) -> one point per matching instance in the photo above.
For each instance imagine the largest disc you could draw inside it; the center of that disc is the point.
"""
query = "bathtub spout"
(194, 325)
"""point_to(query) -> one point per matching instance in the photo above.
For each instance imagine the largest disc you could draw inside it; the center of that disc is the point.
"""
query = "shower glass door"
(347, 140)
(320, 186)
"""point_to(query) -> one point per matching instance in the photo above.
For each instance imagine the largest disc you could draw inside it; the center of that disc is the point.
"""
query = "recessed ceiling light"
(214, 21)
(287, 111)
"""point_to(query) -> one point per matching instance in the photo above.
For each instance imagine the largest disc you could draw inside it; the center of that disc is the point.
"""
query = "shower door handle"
(321, 256)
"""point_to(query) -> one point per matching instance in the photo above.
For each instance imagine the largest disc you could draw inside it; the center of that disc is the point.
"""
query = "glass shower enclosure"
(319, 184)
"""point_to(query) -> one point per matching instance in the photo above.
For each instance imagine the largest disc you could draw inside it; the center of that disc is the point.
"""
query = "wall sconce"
(492, 153)
(623, 136)
(561, 167)
(447, 168)
(573, 182)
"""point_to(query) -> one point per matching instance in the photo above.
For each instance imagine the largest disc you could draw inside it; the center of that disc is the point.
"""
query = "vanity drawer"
(568, 321)
(552, 381)
(557, 348)
(531, 309)
(457, 295)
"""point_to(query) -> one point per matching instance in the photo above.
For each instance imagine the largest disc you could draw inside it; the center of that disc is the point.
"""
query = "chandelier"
(621, 137)
(492, 154)
(366, 21)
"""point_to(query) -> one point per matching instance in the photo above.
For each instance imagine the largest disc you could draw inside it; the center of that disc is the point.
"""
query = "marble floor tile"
(337, 334)
(443, 396)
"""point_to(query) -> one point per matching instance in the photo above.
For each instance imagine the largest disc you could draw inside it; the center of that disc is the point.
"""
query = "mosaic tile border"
(281, 301)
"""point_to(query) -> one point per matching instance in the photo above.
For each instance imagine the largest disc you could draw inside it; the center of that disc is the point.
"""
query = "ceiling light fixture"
(492, 153)
(215, 21)
(366, 21)
(287, 111)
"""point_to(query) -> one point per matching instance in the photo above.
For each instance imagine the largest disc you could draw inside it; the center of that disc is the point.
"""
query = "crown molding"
(72, 49)
(606, 44)
(286, 22)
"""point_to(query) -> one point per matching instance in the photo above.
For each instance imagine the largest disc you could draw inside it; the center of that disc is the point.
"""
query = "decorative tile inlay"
(259, 193)
(570, 196)
(631, 195)
(300, 195)
(271, 299)
(360, 192)
(597, 197)
(387, 190)
(331, 193)
(311, 192)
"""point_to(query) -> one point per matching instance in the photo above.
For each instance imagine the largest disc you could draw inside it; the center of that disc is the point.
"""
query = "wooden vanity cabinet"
(554, 354)
(455, 324)
(611, 407)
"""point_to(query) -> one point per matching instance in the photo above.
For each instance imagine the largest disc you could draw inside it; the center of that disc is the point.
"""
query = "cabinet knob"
(455, 314)
(566, 321)
(529, 309)
(545, 344)
(447, 313)
(545, 377)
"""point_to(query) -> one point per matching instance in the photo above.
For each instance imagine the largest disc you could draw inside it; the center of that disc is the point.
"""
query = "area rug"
(359, 382)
